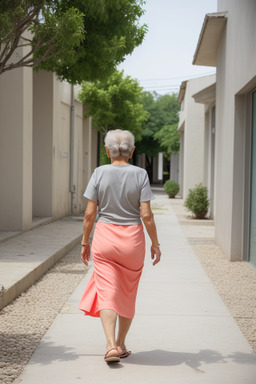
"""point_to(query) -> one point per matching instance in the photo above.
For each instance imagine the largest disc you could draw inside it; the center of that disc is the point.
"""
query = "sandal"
(124, 353)
(112, 358)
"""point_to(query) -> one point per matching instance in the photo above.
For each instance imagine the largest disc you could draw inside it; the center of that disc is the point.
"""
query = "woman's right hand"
(155, 254)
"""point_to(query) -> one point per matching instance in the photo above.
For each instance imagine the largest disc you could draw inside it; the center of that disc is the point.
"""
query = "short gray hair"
(119, 142)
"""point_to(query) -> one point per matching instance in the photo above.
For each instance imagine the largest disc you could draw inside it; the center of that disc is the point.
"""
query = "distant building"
(192, 134)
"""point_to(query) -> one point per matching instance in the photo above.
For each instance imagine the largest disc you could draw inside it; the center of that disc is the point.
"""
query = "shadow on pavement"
(192, 360)
(148, 358)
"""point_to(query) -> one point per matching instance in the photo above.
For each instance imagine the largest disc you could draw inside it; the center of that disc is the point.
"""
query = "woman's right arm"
(89, 219)
(149, 222)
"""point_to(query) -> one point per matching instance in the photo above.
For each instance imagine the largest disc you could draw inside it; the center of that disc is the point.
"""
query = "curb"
(7, 296)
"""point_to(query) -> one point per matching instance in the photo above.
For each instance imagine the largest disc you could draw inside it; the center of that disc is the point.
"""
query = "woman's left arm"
(89, 219)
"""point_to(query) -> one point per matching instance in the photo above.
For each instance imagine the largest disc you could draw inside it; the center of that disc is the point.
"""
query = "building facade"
(47, 149)
(227, 41)
(192, 134)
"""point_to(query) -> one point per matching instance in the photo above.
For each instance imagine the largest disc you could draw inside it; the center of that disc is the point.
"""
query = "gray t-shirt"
(119, 189)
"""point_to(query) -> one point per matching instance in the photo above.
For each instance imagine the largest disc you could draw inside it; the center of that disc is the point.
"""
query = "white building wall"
(236, 71)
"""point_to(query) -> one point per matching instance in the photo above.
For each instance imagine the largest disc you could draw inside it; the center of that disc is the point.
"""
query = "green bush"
(103, 156)
(197, 201)
(171, 188)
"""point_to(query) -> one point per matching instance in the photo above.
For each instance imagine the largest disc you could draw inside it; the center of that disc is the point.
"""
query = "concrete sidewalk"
(182, 332)
(25, 257)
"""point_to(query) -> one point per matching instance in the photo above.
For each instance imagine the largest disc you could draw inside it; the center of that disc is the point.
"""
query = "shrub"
(197, 201)
(171, 188)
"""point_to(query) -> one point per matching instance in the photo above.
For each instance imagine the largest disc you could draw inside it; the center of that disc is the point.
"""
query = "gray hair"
(119, 142)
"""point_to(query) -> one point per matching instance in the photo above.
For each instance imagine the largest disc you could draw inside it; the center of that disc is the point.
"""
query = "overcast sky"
(164, 59)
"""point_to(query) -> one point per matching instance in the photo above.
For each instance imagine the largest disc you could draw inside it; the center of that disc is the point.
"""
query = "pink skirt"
(118, 253)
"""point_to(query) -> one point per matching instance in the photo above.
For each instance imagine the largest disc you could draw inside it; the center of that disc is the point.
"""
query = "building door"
(252, 241)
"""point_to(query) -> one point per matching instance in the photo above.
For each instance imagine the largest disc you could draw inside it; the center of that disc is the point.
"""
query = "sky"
(164, 59)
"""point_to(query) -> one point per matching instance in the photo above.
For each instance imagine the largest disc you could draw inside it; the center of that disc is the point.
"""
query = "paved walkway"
(182, 332)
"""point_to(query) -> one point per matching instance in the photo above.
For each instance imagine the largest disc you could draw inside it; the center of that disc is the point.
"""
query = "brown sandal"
(124, 353)
(112, 358)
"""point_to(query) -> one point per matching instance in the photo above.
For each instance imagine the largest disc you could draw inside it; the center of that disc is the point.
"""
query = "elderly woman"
(121, 194)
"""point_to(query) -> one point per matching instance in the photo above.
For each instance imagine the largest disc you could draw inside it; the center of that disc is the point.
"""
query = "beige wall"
(42, 144)
(54, 162)
(236, 71)
(16, 149)
(61, 157)
(35, 110)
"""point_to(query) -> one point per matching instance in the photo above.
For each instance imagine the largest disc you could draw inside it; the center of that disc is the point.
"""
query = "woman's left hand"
(85, 254)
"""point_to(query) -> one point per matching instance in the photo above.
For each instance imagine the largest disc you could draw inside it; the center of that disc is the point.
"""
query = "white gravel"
(24, 322)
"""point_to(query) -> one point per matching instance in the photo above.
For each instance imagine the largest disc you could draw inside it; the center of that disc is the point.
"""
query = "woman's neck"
(120, 161)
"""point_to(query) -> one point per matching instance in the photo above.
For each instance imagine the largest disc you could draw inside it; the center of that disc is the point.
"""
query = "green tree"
(148, 144)
(169, 139)
(114, 104)
(168, 136)
(81, 40)
(160, 129)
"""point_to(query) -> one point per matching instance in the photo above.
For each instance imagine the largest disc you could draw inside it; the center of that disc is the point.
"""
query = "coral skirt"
(118, 253)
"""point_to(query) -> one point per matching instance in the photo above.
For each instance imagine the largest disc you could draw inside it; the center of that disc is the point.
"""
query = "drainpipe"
(71, 174)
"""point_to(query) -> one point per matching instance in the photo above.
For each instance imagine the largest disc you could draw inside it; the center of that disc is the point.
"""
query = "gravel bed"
(24, 322)
(235, 282)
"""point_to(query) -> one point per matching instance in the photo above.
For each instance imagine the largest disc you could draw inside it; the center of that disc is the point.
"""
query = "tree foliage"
(148, 144)
(115, 104)
(81, 40)
(160, 129)
(169, 139)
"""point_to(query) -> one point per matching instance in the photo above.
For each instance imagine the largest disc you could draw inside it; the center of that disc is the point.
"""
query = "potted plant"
(171, 188)
(197, 201)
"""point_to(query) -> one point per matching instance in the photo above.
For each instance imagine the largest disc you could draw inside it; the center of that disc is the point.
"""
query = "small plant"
(197, 201)
(171, 188)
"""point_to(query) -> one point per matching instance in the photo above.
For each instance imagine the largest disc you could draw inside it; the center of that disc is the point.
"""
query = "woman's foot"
(112, 355)
(123, 352)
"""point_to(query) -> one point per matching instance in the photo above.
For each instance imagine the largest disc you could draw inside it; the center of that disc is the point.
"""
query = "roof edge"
(217, 16)
(181, 94)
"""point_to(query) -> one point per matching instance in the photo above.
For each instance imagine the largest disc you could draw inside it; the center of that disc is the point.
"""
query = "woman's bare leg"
(108, 319)
(124, 326)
